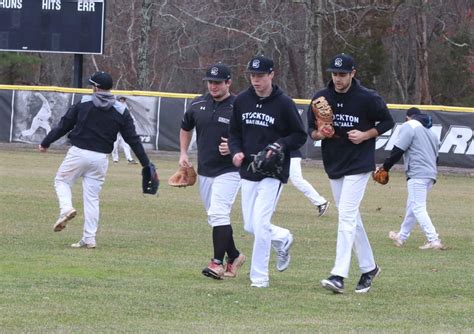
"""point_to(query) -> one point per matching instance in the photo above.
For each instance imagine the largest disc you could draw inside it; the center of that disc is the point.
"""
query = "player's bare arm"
(358, 137)
(184, 141)
(42, 149)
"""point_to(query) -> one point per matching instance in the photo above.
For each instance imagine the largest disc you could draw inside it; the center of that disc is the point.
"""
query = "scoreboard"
(62, 26)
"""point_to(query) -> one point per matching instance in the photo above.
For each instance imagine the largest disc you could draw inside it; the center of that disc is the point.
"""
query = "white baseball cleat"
(395, 236)
(434, 244)
(283, 260)
(82, 244)
(260, 284)
(63, 219)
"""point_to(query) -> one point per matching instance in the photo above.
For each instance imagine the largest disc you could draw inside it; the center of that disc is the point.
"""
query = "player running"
(92, 126)
(419, 147)
(264, 115)
(219, 181)
(360, 115)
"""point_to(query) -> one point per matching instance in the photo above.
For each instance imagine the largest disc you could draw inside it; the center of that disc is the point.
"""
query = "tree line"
(411, 51)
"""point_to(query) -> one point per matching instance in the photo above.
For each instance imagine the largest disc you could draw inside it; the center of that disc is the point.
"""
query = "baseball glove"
(323, 115)
(150, 179)
(269, 161)
(192, 176)
(183, 177)
(380, 175)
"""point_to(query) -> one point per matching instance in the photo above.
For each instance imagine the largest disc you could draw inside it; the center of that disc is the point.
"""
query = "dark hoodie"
(93, 125)
(424, 119)
(257, 122)
(361, 109)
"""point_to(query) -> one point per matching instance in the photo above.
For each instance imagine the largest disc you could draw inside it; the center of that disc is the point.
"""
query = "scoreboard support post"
(78, 61)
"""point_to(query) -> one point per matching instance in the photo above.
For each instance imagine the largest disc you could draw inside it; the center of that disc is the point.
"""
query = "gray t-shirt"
(421, 147)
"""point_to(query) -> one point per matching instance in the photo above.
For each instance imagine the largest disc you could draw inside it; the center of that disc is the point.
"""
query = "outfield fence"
(28, 112)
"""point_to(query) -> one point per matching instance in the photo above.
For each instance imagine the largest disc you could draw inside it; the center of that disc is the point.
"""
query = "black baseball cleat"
(366, 279)
(333, 283)
(323, 208)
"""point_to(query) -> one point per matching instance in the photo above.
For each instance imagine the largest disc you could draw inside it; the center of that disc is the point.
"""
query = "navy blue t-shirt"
(211, 120)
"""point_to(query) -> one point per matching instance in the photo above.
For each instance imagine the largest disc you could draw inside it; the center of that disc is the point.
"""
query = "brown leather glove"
(323, 115)
(380, 175)
(183, 177)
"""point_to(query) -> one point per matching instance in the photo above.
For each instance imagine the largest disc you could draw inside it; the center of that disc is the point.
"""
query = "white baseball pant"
(126, 149)
(296, 178)
(218, 195)
(416, 209)
(92, 167)
(259, 200)
(348, 192)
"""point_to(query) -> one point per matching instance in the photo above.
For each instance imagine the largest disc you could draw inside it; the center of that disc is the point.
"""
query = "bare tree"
(313, 45)
(422, 94)
(424, 37)
(143, 75)
(412, 51)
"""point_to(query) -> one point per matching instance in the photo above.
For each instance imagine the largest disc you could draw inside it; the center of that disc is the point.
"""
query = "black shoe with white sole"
(323, 208)
(333, 283)
(365, 282)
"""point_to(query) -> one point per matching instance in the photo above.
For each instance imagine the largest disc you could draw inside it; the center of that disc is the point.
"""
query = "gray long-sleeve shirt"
(421, 146)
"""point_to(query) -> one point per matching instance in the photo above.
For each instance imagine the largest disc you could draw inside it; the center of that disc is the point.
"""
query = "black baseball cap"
(260, 64)
(341, 63)
(413, 111)
(101, 80)
(217, 72)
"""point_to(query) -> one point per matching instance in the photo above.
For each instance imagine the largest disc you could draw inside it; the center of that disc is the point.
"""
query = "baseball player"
(121, 143)
(264, 115)
(41, 119)
(419, 147)
(297, 179)
(348, 151)
(219, 180)
(92, 126)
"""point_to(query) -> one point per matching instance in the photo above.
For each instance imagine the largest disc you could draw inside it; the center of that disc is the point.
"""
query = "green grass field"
(145, 275)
